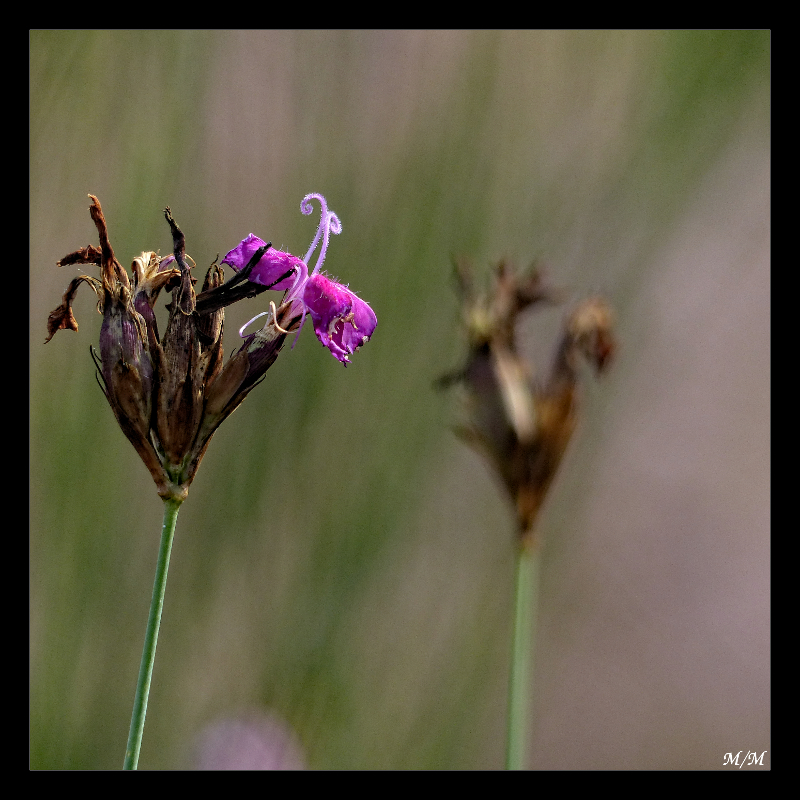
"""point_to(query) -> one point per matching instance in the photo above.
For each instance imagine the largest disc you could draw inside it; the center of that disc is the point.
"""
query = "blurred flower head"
(520, 422)
(251, 740)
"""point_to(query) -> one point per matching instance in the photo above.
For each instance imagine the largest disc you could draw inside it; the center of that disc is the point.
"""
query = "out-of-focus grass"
(342, 561)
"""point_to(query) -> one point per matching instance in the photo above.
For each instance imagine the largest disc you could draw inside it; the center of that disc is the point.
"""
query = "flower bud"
(126, 366)
(179, 399)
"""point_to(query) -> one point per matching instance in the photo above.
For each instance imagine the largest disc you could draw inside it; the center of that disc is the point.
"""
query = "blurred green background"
(343, 566)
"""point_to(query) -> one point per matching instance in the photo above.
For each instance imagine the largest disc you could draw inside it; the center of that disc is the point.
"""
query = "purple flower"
(342, 320)
(273, 266)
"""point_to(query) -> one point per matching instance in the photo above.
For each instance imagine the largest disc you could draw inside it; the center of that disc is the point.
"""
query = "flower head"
(342, 320)
(169, 393)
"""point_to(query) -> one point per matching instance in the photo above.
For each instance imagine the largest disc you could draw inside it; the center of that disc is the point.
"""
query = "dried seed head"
(522, 425)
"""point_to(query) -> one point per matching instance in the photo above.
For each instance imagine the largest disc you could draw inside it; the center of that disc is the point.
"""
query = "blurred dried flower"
(521, 424)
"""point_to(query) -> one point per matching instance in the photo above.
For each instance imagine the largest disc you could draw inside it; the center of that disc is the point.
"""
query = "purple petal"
(273, 264)
(342, 321)
(362, 326)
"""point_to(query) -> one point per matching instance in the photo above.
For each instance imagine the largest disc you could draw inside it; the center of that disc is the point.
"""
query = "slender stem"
(526, 592)
(171, 506)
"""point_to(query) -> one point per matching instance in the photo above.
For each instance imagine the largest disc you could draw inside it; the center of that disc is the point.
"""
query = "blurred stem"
(171, 506)
(526, 594)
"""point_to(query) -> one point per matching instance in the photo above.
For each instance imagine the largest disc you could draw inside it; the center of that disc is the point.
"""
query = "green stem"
(171, 506)
(525, 605)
